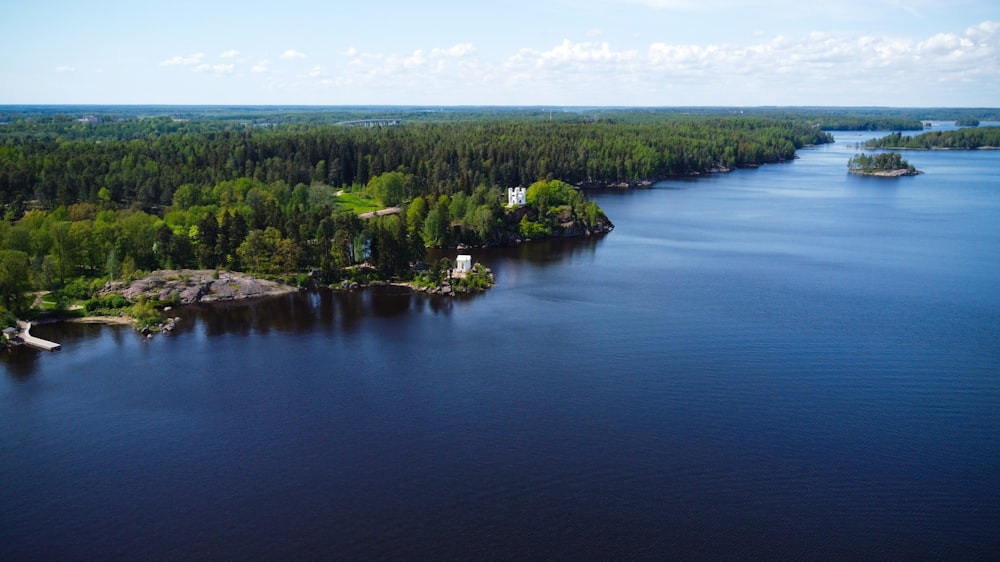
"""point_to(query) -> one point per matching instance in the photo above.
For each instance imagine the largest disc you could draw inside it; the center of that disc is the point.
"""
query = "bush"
(8, 319)
(106, 304)
(81, 288)
(529, 229)
(478, 279)
(144, 314)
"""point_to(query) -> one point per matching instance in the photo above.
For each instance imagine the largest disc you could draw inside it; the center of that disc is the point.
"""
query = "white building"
(516, 196)
(463, 264)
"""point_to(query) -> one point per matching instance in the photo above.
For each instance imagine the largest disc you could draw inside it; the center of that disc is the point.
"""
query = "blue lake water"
(781, 363)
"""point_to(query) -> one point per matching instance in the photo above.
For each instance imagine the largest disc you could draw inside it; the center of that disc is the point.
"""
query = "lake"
(787, 362)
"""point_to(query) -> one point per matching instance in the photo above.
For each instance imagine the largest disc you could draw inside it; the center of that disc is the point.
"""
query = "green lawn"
(356, 202)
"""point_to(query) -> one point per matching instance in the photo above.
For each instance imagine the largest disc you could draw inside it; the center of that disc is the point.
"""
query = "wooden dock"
(31, 341)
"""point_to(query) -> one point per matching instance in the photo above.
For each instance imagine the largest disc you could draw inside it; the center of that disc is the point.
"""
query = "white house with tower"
(516, 196)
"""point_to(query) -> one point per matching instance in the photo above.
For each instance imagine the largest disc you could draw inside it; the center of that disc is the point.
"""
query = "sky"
(919, 53)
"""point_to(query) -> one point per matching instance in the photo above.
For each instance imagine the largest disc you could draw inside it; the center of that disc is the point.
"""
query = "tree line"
(440, 158)
(965, 139)
(882, 161)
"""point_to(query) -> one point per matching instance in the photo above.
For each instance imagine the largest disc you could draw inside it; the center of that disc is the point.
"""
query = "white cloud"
(844, 56)
(260, 67)
(196, 58)
(807, 68)
(231, 53)
(216, 68)
(65, 69)
(418, 58)
(419, 63)
(292, 54)
(429, 75)
(458, 50)
(569, 52)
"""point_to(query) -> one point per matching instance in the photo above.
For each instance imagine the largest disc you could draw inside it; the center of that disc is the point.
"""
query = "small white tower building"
(516, 196)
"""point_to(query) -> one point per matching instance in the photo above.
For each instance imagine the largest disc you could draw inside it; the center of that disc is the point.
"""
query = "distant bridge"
(372, 123)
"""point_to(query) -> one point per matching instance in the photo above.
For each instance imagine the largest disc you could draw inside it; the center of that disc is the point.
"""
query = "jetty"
(32, 341)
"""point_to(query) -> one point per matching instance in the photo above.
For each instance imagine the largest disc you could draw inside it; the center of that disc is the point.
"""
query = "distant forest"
(964, 139)
(63, 161)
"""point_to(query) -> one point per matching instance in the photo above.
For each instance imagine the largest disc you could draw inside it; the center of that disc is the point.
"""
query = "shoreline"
(885, 173)
(645, 183)
(934, 148)
(106, 320)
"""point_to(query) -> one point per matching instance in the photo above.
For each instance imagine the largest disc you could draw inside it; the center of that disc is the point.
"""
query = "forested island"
(959, 139)
(309, 196)
(883, 164)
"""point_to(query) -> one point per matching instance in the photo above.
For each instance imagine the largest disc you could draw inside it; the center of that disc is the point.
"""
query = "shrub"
(80, 288)
(529, 229)
(478, 279)
(144, 314)
(8, 319)
(109, 303)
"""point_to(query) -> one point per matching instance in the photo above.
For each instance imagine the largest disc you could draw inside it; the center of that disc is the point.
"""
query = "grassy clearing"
(357, 203)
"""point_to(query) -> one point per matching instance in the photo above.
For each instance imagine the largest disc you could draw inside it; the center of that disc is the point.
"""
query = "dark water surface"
(781, 363)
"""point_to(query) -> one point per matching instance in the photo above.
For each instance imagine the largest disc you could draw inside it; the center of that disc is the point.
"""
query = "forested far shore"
(960, 139)
(74, 122)
(438, 158)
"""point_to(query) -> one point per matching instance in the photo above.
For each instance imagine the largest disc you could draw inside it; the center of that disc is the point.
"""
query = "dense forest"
(95, 194)
(439, 158)
(124, 122)
(966, 139)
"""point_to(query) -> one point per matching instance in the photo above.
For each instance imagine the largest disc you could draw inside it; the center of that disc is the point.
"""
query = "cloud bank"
(802, 69)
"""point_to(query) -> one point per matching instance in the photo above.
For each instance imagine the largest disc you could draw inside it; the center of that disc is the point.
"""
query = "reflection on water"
(317, 309)
(307, 311)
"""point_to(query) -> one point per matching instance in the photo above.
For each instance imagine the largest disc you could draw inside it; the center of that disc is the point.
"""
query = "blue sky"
(515, 52)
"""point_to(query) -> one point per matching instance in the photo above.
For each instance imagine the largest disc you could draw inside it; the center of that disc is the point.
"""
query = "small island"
(883, 165)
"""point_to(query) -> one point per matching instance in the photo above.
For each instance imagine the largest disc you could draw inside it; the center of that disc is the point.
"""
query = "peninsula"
(177, 204)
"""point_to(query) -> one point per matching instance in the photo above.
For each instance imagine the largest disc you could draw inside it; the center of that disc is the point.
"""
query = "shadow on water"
(20, 362)
(322, 310)
(539, 252)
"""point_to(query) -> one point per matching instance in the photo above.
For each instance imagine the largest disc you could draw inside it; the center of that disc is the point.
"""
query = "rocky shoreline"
(189, 286)
(886, 173)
